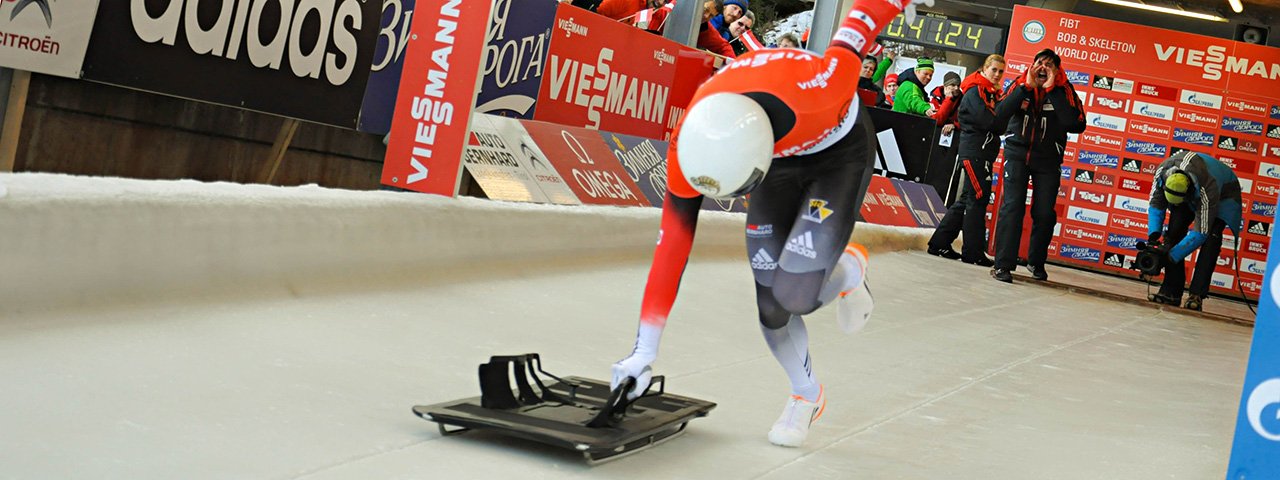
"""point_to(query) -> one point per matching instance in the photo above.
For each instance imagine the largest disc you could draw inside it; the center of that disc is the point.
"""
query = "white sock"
(790, 345)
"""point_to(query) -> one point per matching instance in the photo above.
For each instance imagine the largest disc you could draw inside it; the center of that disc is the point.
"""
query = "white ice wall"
(69, 241)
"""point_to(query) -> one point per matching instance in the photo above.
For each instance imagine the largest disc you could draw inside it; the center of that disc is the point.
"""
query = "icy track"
(164, 330)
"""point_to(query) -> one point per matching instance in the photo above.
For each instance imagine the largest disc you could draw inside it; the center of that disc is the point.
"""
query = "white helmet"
(725, 145)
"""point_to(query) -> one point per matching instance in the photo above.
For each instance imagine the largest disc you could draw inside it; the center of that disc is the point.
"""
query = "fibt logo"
(265, 34)
(1201, 99)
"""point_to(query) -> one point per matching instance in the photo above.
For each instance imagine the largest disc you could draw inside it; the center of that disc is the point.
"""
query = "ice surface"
(294, 376)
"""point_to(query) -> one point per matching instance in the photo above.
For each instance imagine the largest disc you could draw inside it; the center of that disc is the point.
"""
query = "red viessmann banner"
(1151, 93)
(437, 91)
(607, 75)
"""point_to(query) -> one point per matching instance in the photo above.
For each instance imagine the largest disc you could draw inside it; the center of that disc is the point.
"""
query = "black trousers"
(968, 213)
(1045, 178)
(801, 217)
(1175, 275)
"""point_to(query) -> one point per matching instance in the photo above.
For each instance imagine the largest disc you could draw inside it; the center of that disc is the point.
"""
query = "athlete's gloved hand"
(632, 366)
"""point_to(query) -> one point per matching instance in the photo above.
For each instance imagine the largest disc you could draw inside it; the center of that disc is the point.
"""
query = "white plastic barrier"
(68, 241)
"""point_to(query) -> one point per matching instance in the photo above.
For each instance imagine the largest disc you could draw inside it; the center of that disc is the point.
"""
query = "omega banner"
(1150, 93)
(307, 59)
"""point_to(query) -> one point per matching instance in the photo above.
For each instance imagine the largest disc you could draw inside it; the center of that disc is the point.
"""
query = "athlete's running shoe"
(853, 309)
(793, 426)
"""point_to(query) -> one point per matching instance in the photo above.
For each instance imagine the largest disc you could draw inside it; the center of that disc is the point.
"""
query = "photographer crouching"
(1195, 189)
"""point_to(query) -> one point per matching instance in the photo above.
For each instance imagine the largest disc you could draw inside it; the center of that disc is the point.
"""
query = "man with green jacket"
(911, 97)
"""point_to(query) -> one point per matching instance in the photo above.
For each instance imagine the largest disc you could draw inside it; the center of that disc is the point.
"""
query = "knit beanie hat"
(740, 3)
(924, 64)
(951, 78)
(892, 78)
(1176, 186)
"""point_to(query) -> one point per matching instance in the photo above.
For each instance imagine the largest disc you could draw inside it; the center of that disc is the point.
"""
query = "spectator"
(950, 87)
(1041, 107)
(621, 9)
(882, 68)
(890, 90)
(739, 27)
(868, 91)
(788, 40)
(977, 146)
(910, 97)
(946, 108)
(708, 38)
(1194, 188)
(732, 11)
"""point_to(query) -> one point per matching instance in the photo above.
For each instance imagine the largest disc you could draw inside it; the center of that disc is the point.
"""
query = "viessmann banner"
(308, 59)
(1152, 93)
(606, 75)
(45, 36)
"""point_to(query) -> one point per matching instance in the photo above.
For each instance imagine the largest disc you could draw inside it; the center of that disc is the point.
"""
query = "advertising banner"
(496, 167)
(605, 75)
(44, 36)
(883, 205)
(1153, 93)
(923, 202)
(586, 163)
(310, 61)
(530, 156)
(644, 160)
(388, 62)
(437, 90)
(514, 56)
(1255, 451)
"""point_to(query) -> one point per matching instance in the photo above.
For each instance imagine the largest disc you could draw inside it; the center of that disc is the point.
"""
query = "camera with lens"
(1151, 259)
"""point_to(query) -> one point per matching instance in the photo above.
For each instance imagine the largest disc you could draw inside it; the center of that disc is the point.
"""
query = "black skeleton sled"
(577, 413)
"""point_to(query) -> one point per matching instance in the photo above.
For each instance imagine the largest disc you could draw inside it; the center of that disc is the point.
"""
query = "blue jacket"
(1216, 195)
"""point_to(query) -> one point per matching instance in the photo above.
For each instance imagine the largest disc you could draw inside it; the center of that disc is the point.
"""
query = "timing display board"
(941, 32)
